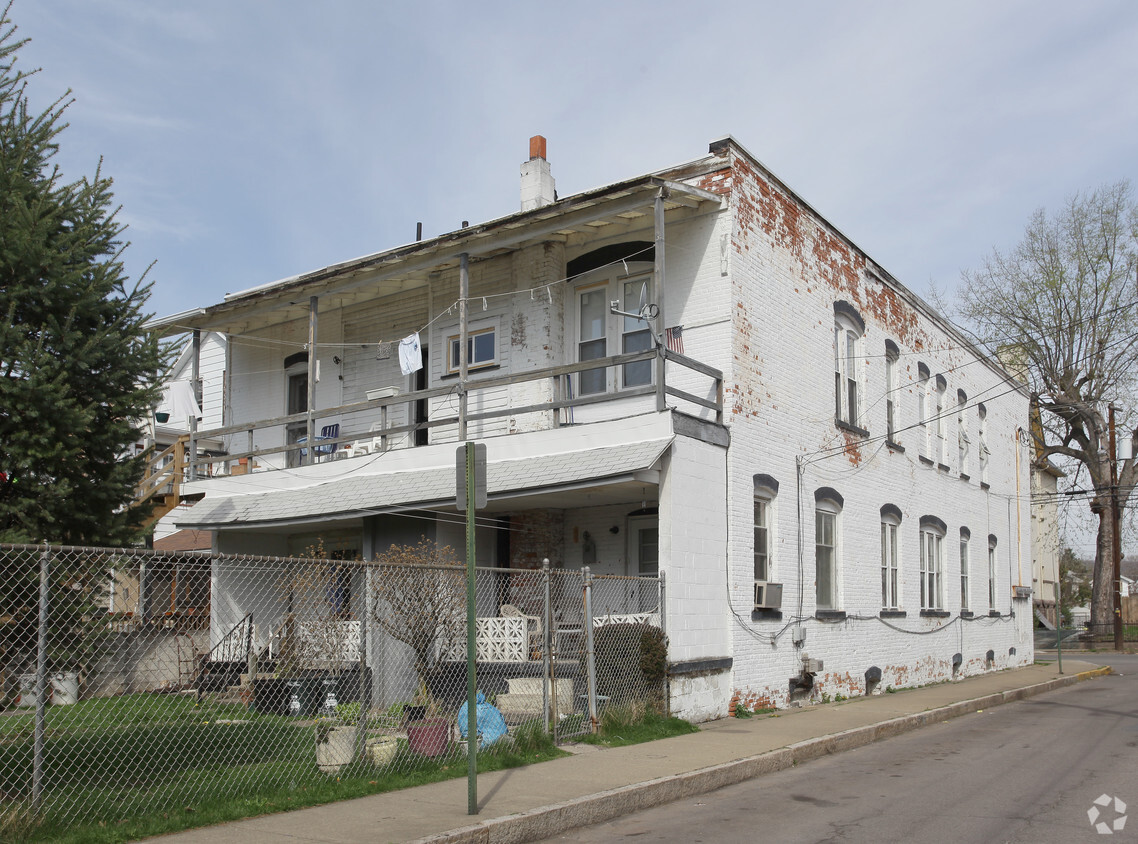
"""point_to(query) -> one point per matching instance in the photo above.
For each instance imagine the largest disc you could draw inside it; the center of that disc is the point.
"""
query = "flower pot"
(429, 737)
(65, 688)
(336, 750)
(162, 418)
(381, 750)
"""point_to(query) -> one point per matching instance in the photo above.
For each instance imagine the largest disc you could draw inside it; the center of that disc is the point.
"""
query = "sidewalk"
(525, 804)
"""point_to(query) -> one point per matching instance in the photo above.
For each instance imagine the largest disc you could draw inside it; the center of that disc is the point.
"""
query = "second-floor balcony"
(486, 406)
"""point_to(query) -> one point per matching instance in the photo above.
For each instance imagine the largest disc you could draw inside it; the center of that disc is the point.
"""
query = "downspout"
(658, 281)
(310, 424)
(1019, 533)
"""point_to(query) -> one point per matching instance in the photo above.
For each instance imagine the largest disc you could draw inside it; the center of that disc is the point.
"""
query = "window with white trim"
(762, 539)
(892, 361)
(923, 406)
(848, 357)
(963, 443)
(985, 453)
(481, 347)
(991, 572)
(827, 553)
(890, 557)
(941, 438)
(965, 537)
(932, 563)
(601, 333)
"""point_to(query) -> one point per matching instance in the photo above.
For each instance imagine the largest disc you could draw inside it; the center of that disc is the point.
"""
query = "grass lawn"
(118, 769)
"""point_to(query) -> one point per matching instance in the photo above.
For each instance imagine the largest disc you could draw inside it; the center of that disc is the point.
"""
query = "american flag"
(674, 339)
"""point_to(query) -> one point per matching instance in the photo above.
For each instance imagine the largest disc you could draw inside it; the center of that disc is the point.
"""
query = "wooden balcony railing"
(560, 406)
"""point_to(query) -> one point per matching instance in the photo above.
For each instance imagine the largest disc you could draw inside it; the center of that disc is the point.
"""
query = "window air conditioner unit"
(768, 596)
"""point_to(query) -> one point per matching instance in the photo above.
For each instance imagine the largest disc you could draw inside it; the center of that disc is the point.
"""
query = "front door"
(644, 559)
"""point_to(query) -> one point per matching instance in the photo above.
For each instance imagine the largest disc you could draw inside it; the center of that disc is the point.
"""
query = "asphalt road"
(1022, 772)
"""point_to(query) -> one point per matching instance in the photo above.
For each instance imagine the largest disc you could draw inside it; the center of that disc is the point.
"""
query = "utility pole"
(1116, 534)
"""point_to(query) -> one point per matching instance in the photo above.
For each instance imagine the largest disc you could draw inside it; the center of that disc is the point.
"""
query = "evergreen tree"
(78, 372)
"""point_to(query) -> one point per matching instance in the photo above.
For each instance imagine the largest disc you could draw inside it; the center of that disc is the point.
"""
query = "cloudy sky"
(252, 140)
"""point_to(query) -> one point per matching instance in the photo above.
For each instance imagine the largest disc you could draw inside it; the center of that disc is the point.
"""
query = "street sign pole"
(471, 643)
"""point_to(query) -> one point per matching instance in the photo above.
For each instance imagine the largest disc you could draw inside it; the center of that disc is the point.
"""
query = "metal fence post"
(547, 647)
(41, 679)
(590, 661)
(662, 592)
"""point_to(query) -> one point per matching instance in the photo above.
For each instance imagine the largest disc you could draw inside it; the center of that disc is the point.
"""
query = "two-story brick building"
(691, 372)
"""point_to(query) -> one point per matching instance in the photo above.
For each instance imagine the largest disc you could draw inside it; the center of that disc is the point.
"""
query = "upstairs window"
(923, 406)
(600, 333)
(848, 330)
(892, 358)
(964, 444)
(481, 348)
(941, 411)
(983, 444)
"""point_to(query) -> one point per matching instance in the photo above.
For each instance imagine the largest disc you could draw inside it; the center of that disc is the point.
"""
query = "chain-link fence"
(135, 681)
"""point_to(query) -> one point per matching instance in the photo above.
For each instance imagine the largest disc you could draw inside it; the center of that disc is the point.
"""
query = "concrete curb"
(555, 818)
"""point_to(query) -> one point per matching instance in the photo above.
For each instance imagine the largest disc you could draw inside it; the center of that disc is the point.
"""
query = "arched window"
(965, 538)
(848, 330)
(923, 406)
(890, 556)
(932, 563)
(991, 571)
(766, 492)
(941, 411)
(892, 358)
(827, 535)
(601, 333)
(985, 453)
(963, 442)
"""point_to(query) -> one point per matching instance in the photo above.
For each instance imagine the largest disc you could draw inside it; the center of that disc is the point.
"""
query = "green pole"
(471, 645)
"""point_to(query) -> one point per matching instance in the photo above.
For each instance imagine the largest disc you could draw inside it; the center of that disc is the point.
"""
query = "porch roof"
(408, 267)
(508, 476)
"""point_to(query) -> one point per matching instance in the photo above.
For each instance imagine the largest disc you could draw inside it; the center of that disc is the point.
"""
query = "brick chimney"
(538, 187)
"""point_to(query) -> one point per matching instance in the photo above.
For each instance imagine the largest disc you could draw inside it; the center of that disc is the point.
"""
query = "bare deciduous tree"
(420, 599)
(1063, 302)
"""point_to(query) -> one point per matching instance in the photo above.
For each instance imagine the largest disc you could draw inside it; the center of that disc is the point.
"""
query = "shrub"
(631, 662)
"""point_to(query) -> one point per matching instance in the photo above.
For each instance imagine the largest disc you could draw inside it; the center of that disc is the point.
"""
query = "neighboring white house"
(1045, 536)
(828, 469)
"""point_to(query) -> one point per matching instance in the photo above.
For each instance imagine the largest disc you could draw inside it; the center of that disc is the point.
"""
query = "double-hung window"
(892, 357)
(941, 437)
(932, 563)
(601, 333)
(983, 445)
(923, 407)
(762, 539)
(963, 442)
(890, 556)
(827, 533)
(991, 572)
(481, 347)
(848, 361)
(965, 537)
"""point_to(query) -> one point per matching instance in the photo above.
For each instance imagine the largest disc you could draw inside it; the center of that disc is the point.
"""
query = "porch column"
(658, 281)
(195, 368)
(310, 428)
